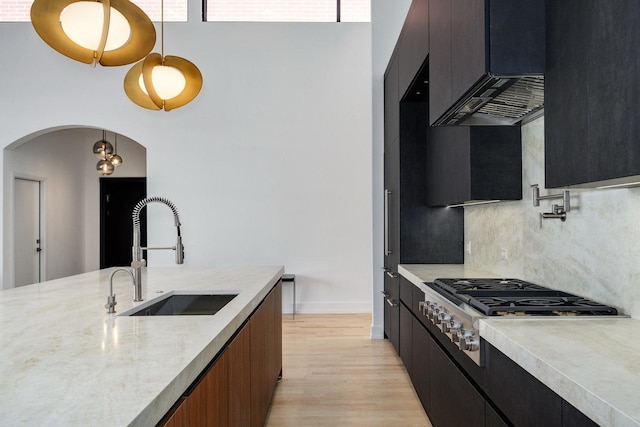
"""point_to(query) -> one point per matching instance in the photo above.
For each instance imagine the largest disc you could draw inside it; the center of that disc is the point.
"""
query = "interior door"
(118, 197)
(27, 232)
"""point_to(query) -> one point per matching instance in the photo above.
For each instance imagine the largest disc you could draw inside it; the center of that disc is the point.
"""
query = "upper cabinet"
(487, 61)
(414, 43)
(592, 87)
(391, 101)
(473, 164)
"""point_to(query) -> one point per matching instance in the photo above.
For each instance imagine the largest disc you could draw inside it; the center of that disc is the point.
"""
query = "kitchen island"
(592, 363)
(65, 361)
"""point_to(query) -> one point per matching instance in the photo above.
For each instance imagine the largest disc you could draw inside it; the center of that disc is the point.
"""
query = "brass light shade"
(47, 19)
(143, 85)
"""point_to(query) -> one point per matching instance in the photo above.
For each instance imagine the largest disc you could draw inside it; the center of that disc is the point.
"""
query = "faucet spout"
(111, 299)
(137, 261)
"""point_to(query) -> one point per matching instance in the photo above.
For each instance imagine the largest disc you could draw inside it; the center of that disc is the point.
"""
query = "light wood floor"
(334, 374)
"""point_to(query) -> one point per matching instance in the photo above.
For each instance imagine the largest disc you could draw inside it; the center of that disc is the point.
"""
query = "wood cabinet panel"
(421, 357)
(454, 400)
(177, 417)
(265, 366)
(473, 164)
(406, 338)
(571, 417)
(413, 43)
(239, 375)
(207, 405)
(591, 66)
(467, 45)
(521, 397)
(439, 58)
(391, 101)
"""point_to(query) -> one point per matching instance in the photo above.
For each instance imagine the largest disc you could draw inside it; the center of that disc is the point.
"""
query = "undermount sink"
(183, 304)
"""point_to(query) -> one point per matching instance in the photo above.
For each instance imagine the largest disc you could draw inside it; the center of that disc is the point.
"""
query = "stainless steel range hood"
(498, 100)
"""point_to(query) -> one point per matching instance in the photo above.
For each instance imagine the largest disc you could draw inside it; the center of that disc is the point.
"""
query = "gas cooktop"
(454, 306)
(499, 297)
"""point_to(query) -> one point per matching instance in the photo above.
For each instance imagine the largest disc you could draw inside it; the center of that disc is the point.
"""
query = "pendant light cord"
(162, 30)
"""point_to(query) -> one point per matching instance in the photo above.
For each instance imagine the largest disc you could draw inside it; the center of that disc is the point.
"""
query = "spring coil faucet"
(137, 261)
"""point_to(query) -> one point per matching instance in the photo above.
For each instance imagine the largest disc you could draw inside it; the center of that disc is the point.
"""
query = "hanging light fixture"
(115, 159)
(109, 158)
(109, 32)
(163, 82)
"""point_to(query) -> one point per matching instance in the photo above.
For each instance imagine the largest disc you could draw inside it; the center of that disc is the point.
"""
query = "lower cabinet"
(421, 368)
(454, 400)
(237, 387)
(453, 393)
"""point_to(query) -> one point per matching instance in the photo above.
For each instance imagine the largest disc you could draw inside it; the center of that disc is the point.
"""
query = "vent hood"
(499, 101)
(486, 61)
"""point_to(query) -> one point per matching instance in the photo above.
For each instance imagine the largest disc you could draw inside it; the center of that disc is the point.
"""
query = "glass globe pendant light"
(115, 159)
(163, 82)
(103, 149)
(109, 32)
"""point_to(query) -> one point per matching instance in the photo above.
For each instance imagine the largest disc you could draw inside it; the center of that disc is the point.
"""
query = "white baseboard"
(327, 307)
(377, 332)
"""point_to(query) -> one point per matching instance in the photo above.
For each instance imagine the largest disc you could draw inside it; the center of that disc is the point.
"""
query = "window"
(174, 10)
(288, 10)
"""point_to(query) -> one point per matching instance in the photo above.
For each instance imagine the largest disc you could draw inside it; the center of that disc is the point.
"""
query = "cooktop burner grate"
(573, 305)
(495, 297)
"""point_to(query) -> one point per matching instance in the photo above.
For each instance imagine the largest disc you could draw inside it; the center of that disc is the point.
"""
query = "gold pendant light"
(109, 32)
(163, 82)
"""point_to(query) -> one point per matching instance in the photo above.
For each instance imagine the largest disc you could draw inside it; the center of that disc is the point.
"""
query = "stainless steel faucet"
(137, 261)
(111, 299)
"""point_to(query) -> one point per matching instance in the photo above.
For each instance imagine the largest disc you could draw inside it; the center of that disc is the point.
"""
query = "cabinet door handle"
(391, 274)
(386, 294)
(387, 249)
(392, 303)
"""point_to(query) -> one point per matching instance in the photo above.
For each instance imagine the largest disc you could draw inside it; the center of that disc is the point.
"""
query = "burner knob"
(437, 315)
(424, 307)
(469, 341)
(431, 310)
(463, 334)
(455, 328)
(445, 318)
(421, 306)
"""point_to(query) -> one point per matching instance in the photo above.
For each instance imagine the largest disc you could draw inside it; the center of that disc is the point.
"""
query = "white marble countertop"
(593, 363)
(65, 361)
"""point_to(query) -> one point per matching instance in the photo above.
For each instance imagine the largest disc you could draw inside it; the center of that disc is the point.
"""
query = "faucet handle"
(111, 304)
(138, 263)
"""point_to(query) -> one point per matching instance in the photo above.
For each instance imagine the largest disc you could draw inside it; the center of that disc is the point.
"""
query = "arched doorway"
(62, 161)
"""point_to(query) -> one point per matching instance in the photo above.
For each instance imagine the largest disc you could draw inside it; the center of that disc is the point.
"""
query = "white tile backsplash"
(595, 253)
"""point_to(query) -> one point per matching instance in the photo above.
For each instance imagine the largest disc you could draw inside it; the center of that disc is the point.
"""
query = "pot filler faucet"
(137, 261)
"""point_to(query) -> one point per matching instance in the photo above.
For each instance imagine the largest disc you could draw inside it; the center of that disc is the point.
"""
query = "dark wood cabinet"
(571, 417)
(413, 43)
(454, 400)
(421, 367)
(591, 91)
(414, 232)
(392, 309)
(391, 101)
(406, 338)
(471, 40)
(440, 51)
(474, 163)
(523, 399)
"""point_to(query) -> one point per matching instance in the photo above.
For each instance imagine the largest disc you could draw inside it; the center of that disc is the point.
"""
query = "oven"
(455, 305)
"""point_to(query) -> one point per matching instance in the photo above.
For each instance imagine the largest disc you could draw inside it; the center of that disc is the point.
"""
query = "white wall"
(387, 18)
(65, 164)
(270, 164)
(595, 253)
